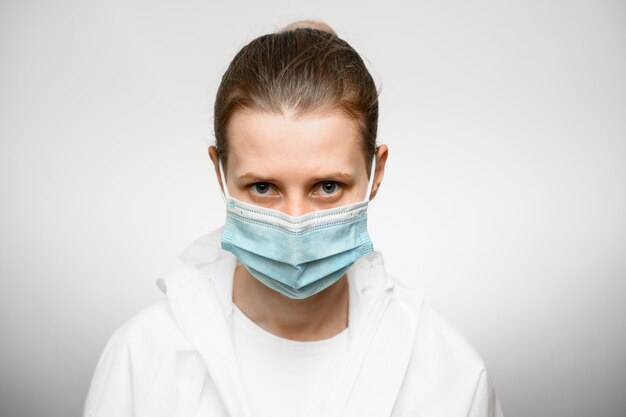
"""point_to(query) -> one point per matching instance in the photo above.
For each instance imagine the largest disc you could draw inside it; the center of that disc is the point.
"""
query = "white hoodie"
(176, 357)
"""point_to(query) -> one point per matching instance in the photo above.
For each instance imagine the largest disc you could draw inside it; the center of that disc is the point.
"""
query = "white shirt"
(280, 376)
(176, 358)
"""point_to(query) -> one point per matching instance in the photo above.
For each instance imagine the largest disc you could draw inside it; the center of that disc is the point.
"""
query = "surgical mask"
(298, 256)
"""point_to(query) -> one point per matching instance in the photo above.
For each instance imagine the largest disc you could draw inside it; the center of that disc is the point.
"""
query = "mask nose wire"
(225, 195)
(370, 183)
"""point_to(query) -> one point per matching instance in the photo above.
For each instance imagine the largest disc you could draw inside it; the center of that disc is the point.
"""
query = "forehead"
(286, 142)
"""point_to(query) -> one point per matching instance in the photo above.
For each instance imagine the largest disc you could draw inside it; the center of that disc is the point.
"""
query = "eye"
(329, 187)
(261, 187)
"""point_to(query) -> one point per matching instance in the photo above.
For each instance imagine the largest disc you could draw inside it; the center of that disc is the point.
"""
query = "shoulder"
(152, 326)
(134, 355)
(150, 334)
(436, 334)
(445, 372)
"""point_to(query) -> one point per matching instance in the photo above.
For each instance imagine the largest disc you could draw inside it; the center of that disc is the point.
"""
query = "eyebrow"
(341, 176)
(254, 177)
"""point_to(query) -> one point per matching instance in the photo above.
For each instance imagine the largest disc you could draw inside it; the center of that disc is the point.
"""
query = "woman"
(287, 310)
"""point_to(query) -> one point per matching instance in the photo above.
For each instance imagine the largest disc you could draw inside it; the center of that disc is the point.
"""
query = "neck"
(318, 317)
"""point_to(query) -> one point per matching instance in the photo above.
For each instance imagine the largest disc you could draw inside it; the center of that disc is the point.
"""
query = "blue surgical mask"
(298, 256)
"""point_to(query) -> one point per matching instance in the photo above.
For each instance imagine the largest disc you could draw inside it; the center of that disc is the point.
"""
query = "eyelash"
(338, 186)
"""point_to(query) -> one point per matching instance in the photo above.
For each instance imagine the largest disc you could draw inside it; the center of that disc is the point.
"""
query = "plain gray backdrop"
(504, 198)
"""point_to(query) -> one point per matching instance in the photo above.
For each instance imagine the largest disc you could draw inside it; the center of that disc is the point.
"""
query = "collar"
(205, 263)
(199, 292)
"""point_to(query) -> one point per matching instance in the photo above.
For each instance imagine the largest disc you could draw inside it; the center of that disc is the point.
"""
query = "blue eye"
(329, 187)
(261, 187)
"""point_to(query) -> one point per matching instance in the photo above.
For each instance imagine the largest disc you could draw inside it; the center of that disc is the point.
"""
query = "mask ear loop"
(370, 183)
(225, 195)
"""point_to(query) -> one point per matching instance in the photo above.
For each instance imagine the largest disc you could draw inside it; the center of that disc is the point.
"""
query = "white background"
(504, 199)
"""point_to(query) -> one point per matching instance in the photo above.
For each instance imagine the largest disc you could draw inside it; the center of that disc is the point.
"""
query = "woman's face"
(297, 164)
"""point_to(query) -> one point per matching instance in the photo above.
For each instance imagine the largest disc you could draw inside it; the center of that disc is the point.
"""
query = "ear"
(216, 165)
(381, 159)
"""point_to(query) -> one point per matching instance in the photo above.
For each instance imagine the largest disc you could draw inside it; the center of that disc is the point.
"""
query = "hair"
(304, 68)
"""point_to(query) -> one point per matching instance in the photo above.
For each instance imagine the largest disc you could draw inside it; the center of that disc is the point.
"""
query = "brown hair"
(304, 68)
